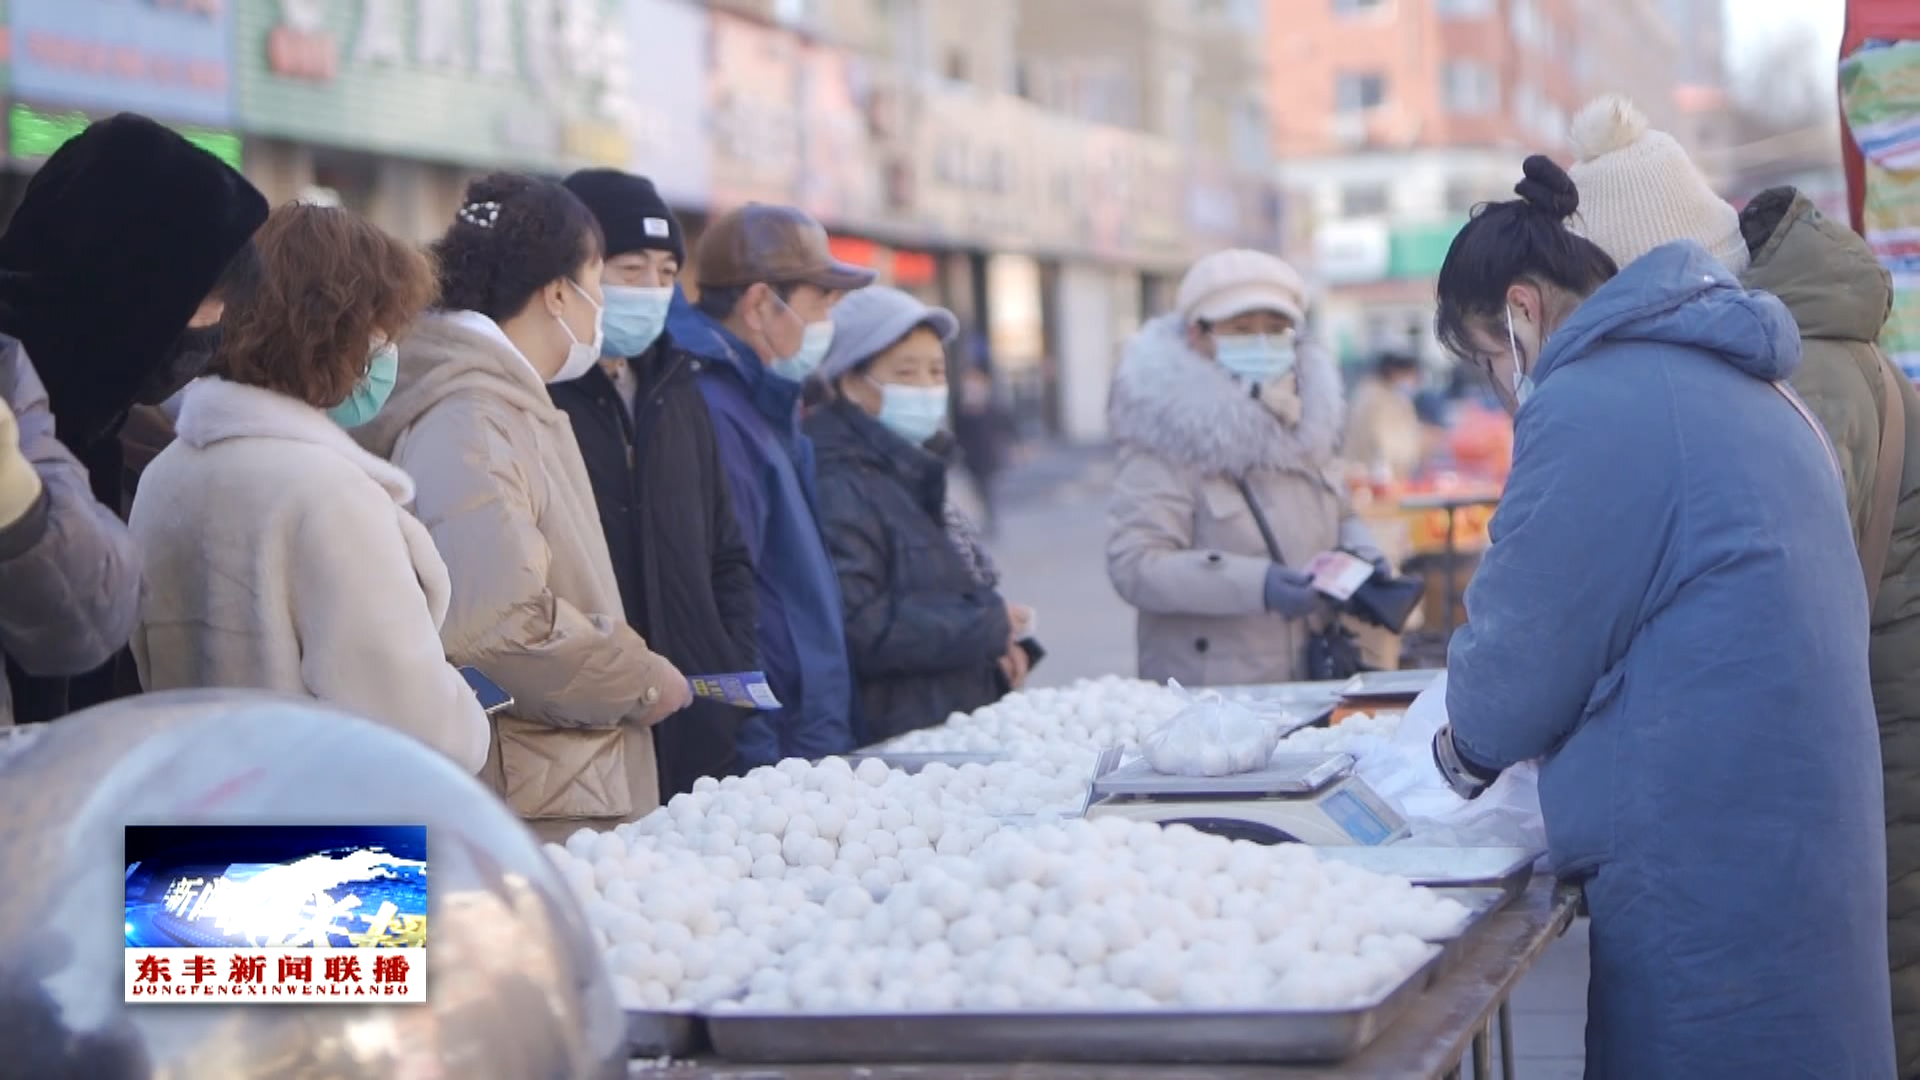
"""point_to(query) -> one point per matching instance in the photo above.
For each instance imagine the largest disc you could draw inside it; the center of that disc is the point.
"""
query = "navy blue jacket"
(769, 467)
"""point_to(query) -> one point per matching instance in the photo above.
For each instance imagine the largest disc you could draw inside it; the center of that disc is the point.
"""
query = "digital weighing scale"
(1309, 799)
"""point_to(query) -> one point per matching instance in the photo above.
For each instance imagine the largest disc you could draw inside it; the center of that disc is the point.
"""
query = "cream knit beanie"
(1639, 190)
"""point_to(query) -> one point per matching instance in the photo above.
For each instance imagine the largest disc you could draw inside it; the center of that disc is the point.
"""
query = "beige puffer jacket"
(1183, 547)
(501, 486)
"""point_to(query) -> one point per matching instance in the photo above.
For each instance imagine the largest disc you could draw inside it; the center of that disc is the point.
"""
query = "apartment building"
(1393, 118)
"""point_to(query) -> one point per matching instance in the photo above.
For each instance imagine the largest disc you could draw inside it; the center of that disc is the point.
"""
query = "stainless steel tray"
(1370, 684)
(1508, 869)
(665, 1034)
(1157, 1037)
(1314, 700)
(1285, 774)
(909, 761)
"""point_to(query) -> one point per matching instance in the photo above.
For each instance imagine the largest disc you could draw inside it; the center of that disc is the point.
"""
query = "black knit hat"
(632, 214)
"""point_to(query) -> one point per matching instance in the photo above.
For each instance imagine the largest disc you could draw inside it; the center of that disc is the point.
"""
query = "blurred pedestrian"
(761, 327)
(1669, 609)
(1639, 190)
(1228, 426)
(686, 576)
(501, 485)
(1383, 427)
(114, 272)
(985, 434)
(280, 555)
(925, 638)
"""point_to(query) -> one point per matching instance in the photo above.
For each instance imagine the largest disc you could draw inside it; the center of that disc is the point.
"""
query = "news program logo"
(244, 914)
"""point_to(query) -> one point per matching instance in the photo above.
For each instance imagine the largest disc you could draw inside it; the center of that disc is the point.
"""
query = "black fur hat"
(119, 237)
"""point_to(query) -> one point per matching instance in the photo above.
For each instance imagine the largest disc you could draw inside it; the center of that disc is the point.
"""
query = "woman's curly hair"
(513, 235)
(330, 284)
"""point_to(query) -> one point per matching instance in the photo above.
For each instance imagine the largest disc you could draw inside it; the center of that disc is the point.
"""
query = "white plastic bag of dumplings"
(1401, 770)
(1210, 736)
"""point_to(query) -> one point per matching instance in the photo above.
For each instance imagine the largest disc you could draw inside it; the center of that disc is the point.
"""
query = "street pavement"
(1051, 549)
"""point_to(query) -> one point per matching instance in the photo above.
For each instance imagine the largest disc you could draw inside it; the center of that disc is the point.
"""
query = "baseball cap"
(1235, 282)
(780, 245)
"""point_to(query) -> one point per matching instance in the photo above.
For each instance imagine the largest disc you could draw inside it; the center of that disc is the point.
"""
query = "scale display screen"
(1358, 819)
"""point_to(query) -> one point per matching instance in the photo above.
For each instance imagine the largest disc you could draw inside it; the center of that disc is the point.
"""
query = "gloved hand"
(1357, 539)
(1290, 593)
(20, 485)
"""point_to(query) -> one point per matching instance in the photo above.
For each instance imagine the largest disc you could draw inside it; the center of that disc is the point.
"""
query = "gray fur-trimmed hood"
(1185, 408)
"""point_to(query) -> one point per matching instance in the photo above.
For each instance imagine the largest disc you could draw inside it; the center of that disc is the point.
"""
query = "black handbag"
(1332, 653)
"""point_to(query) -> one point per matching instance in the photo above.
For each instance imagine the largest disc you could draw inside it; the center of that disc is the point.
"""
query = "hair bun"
(1547, 187)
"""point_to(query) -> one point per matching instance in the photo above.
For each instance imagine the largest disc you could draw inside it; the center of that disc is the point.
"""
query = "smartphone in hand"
(492, 697)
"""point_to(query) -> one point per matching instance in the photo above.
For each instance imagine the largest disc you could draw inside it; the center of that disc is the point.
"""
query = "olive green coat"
(1840, 295)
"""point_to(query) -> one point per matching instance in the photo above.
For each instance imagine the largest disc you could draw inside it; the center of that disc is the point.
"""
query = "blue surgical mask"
(633, 318)
(370, 395)
(814, 343)
(1257, 358)
(1522, 383)
(914, 413)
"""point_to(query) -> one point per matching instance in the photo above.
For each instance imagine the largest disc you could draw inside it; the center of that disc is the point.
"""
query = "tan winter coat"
(280, 556)
(1183, 547)
(1383, 429)
(535, 605)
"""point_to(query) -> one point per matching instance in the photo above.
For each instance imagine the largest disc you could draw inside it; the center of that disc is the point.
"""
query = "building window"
(1464, 9)
(1469, 87)
(1357, 7)
(1355, 92)
(1363, 200)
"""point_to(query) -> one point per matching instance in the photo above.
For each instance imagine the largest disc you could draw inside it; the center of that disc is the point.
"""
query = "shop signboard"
(1352, 252)
(544, 85)
(171, 60)
(33, 134)
(753, 87)
(1416, 251)
(667, 83)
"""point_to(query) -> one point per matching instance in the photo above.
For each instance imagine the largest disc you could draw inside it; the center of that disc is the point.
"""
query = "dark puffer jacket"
(686, 577)
(922, 634)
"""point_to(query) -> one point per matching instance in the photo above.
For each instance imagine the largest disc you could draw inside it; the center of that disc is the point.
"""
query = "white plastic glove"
(19, 484)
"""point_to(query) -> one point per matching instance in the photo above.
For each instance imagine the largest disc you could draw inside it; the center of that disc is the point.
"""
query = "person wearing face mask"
(1383, 425)
(1227, 426)
(926, 638)
(761, 326)
(686, 576)
(1639, 190)
(114, 271)
(1671, 617)
(280, 555)
(502, 487)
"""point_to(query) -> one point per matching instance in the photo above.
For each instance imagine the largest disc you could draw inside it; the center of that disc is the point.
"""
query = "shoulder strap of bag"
(1819, 432)
(1878, 540)
(1260, 519)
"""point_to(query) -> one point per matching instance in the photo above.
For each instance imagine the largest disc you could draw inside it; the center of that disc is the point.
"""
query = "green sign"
(33, 135)
(1417, 251)
(533, 84)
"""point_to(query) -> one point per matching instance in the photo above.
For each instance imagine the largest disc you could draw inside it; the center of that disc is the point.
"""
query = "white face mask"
(1257, 358)
(581, 355)
(1522, 383)
(912, 412)
(815, 340)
